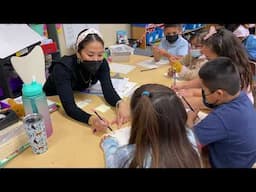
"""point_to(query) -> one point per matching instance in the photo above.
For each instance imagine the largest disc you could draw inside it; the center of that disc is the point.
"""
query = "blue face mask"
(195, 53)
(209, 105)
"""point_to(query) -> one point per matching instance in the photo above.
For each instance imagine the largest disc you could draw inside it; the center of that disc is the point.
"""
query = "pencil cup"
(35, 129)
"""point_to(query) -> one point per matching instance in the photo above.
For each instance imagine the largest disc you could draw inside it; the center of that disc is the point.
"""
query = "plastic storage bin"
(120, 53)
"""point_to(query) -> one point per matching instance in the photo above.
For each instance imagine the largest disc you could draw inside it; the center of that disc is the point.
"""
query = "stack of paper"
(13, 140)
(123, 87)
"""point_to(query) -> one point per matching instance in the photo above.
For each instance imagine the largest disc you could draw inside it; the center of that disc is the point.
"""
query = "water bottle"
(34, 101)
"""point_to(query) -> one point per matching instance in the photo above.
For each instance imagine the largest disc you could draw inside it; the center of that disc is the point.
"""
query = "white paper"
(120, 68)
(123, 87)
(122, 135)
(72, 30)
(102, 108)
(150, 63)
(15, 37)
(84, 103)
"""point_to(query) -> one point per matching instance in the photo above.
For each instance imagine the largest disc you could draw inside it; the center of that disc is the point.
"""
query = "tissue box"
(120, 53)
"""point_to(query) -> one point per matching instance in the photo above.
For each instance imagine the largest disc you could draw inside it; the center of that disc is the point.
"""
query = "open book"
(122, 135)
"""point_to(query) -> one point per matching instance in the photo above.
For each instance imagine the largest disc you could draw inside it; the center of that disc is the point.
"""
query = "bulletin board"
(72, 30)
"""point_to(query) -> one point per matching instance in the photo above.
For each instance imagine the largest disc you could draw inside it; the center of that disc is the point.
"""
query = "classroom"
(127, 95)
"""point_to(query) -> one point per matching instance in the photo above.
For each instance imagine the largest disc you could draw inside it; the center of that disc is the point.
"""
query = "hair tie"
(146, 93)
(84, 34)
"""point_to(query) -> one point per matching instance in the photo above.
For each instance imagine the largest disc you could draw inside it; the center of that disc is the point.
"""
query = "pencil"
(174, 77)
(187, 103)
(102, 120)
(148, 69)
(189, 106)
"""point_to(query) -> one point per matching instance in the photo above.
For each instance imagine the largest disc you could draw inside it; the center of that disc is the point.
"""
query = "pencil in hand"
(102, 120)
(190, 107)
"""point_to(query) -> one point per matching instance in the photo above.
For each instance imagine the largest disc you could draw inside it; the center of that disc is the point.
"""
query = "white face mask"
(195, 53)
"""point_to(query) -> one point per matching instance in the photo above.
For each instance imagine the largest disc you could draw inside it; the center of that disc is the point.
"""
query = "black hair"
(232, 27)
(220, 73)
(89, 38)
(224, 43)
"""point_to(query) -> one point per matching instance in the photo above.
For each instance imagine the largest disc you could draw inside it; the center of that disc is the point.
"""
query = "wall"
(108, 31)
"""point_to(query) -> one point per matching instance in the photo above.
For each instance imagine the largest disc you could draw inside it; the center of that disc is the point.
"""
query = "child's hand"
(179, 86)
(192, 116)
(103, 139)
(185, 92)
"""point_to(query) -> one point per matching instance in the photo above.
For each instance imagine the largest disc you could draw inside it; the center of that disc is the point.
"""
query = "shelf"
(192, 30)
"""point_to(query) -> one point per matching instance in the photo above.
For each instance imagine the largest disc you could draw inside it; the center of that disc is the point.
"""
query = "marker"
(102, 120)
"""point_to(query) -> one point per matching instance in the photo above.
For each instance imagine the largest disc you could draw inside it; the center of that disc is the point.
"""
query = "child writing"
(173, 45)
(229, 130)
(222, 43)
(158, 137)
(188, 66)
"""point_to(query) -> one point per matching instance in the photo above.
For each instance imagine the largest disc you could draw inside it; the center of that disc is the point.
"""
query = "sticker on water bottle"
(36, 132)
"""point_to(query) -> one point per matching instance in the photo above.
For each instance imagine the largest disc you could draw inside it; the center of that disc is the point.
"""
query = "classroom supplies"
(7, 118)
(123, 87)
(102, 120)
(190, 107)
(148, 69)
(174, 77)
(151, 63)
(102, 108)
(84, 103)
(122, 135)
(120, 53)
(13, 140)
(120, 68)
(200, 116)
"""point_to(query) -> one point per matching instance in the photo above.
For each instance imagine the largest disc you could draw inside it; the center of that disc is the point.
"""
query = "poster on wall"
(72, 30)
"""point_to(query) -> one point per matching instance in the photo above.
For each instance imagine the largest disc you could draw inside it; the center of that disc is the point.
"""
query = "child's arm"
(109, 146)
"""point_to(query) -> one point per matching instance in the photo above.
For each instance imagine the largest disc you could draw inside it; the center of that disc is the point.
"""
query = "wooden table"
(72, 144)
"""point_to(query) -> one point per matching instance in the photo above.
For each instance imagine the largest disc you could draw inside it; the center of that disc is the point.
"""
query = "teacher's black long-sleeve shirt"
(66, 77)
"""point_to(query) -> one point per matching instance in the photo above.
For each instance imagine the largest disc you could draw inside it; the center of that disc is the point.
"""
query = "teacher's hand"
(123, 114)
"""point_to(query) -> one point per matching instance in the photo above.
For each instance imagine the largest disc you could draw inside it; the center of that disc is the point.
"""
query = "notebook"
(122, 135)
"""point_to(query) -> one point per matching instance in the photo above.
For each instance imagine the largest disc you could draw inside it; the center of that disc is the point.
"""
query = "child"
(173, 45)
(192, 62)
(229, 130)
(222, 43)
(248, 40)
(158, 137)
